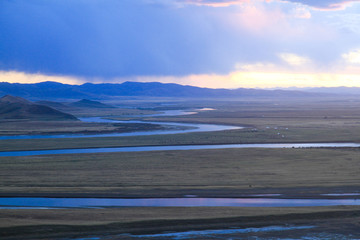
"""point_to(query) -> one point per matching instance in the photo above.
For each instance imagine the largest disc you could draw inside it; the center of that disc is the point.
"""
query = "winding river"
(22, 202)
(255, 201)
(173, 128)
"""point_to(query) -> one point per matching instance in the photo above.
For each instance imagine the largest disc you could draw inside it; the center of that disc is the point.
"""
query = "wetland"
(313, 157)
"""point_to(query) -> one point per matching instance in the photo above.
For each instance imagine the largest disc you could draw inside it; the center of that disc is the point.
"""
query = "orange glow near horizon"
(262, 80)
(21, 77)
(238, 79)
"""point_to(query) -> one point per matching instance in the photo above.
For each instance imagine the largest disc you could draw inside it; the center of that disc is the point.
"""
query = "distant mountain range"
(54, 90)
(335, 90)
(12, 107)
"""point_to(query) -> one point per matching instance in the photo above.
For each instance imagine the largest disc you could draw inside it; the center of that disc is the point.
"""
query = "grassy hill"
(12, 107)
(85, 103)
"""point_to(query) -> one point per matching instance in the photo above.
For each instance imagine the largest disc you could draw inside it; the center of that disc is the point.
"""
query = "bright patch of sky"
(213, 43)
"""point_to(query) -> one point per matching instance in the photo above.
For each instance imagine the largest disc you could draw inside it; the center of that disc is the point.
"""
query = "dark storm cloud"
(111, 38)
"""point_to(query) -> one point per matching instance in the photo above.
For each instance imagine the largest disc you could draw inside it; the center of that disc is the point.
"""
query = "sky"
(206, 43)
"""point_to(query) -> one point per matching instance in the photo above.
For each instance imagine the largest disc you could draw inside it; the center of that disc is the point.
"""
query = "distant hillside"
(56, 105)
(44, 90)
(8, 99)
(156, 89)
(12, 107)
(53, 90)
(85, 103)
(335, 90)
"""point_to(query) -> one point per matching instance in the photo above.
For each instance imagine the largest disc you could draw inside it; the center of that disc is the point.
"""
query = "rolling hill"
(85, 103)
(12, 107)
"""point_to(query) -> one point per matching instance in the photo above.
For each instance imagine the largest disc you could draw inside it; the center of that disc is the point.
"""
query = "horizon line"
(188, 85)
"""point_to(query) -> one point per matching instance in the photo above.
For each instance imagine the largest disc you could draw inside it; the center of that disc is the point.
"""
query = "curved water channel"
(23, 202)
(172, 128)
(175, 128)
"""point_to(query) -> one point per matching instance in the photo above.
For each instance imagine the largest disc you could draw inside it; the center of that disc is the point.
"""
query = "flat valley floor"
(294, 173)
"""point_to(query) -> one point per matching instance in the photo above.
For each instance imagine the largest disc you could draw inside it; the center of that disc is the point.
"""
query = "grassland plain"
(216, 173)
(286, 121)
(208, 173)
(71, 223)
(263, 134)
(12, 128)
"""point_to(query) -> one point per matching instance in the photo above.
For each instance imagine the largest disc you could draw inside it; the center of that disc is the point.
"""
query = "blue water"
(179, 147)
(174, 128)
(204, 233)
(210, 233)
(168, 202)
(169, 113)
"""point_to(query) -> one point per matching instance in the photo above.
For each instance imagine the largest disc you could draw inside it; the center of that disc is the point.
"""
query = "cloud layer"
(146, 39)
(326, 4)
(318, 4)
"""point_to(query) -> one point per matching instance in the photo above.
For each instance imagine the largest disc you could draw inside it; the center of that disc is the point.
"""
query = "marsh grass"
(164, 173)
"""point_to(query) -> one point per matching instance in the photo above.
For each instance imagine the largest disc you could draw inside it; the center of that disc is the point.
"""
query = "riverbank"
(22, 129)
(337, 192)
(240, 136)
(69, 223)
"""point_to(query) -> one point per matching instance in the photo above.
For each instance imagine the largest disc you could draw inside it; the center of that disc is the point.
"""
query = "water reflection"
(210, 233)
(177, 147)
(168, 202)
(340, 194)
